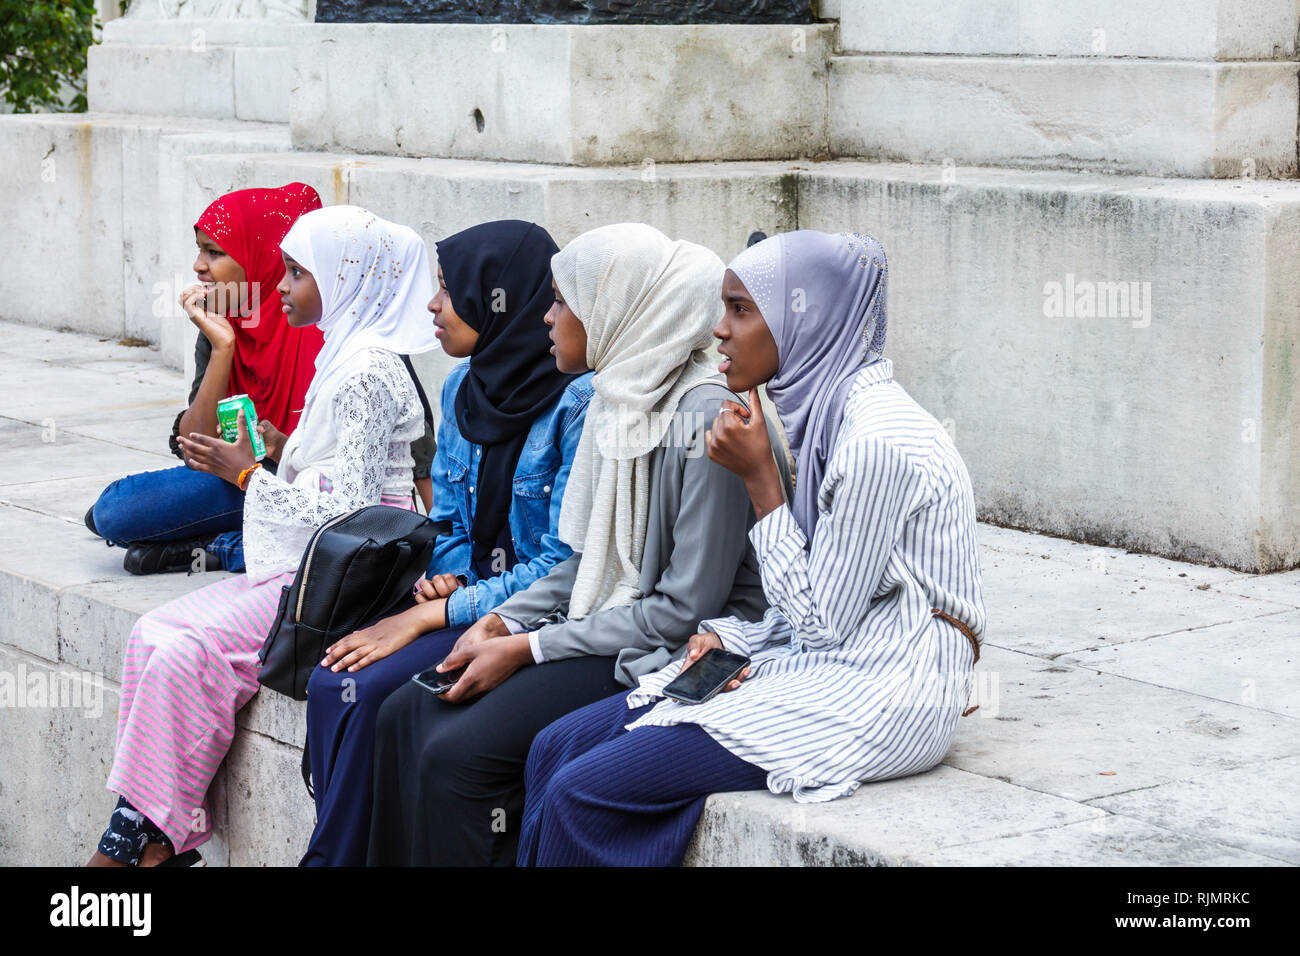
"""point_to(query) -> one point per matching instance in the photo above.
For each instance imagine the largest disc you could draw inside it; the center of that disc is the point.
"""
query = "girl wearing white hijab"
(859, 670)
(659, 539)
(192, 664)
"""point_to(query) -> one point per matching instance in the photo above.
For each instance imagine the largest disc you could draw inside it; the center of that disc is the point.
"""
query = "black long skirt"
(449, 778)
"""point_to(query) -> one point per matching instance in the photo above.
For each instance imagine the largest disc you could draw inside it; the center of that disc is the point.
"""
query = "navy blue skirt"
(342, 709)
(600, 795)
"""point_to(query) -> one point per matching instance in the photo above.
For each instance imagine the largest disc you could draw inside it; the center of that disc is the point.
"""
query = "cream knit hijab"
(648, 305)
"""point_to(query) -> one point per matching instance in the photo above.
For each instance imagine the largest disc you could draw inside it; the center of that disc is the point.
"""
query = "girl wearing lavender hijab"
(860, 667)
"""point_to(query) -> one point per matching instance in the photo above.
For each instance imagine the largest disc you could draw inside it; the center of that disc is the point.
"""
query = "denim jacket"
(540, 477)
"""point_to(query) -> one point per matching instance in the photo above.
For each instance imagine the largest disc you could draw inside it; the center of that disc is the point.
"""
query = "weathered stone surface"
(269, 814)
(1143, 117)
(1110, 841)
(892, 823)
(103, 190)
(1187, 29)
(276, 717)
(656, 12)
(1138, 427)
(1250, 662)
(1280, 588)
(56, 748)
(1079, 733)
(62, 183)
(594, 95)
(213, 68)
(1251, 807)
(1105, 560)
(1057, 608)
(717, 205)
(39, 556)
(95, 620)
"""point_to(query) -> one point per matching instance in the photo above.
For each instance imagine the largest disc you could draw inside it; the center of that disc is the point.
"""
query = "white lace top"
(351, 448)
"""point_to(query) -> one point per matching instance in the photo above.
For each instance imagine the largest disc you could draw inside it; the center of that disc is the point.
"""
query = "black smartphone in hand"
(436, 682)
(706, 677)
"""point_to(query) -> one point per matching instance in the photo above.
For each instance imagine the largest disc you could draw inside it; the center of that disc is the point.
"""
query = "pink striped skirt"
(190, 666)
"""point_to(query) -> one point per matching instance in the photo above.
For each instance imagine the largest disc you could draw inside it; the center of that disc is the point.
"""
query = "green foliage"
(43, 45)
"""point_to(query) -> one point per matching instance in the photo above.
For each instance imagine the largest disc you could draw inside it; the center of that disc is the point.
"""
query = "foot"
(90, 521)
(98, 859)
(155, 853)
(161, 557)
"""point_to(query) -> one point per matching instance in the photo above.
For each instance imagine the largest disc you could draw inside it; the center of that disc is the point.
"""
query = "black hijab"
(498, 275)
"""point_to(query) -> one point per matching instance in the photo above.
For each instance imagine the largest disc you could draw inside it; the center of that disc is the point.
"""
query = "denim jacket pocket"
(533, 499)
(457, 472)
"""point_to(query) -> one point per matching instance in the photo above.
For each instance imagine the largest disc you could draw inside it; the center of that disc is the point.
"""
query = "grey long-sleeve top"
(698, 561)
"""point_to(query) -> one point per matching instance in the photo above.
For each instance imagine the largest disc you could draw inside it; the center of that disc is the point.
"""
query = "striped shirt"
(852, 677)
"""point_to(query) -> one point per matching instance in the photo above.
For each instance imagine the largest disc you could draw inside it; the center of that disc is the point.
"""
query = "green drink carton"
(228, 416)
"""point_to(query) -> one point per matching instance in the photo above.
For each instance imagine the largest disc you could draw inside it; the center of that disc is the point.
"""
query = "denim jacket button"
(546, 488)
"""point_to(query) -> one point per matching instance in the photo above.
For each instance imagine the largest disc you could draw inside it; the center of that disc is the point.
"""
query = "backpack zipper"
(306, 566)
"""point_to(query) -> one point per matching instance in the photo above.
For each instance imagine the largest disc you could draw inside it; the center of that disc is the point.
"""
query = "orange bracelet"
(242, 481)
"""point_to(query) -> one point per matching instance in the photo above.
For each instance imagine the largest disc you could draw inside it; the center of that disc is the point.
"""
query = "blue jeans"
(173, 504)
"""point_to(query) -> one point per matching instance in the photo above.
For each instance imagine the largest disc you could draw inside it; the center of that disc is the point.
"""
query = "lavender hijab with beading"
(823, 298)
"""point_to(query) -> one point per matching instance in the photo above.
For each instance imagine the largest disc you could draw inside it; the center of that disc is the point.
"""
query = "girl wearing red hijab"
(178, 519)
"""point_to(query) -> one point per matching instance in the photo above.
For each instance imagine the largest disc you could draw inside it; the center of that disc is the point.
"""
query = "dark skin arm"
(699, 645)
(385, 637)
(490, 654)
(487, 664)
(738, 442)
(221, 458)
(273, 438)
(201, 416)
(424, 486)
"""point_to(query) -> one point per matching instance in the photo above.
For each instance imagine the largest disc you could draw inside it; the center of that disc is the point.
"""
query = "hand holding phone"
(438, 683)
(714, 671)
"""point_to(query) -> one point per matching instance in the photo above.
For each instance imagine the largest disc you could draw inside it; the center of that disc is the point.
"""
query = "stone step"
(1179, 30)
(1134, 710)
(1168, 424)
(121, 186)
(1216, 97)
(562, 93)
(99, 193)
(209, 68)
(527, 93)
(1145, 117)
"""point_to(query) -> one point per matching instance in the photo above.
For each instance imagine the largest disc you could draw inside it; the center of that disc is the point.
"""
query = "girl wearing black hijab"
(510, 427)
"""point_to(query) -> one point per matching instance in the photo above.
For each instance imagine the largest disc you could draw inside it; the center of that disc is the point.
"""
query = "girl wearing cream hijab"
(659, 538)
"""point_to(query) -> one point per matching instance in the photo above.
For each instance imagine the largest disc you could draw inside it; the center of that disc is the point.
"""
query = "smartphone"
(706, 676)
(436, 682)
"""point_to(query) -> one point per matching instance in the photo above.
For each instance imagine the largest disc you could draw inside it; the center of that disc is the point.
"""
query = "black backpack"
(383, 549)
(357, 568)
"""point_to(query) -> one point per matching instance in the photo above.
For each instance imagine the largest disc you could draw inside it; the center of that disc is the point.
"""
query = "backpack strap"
(306, 765)
(419, 390)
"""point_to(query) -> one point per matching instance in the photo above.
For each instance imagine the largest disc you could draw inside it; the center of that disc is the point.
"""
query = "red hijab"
(273, 362)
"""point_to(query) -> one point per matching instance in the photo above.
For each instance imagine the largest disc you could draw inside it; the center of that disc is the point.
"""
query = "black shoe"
(90, 521)
(161, 557)
(188, 858)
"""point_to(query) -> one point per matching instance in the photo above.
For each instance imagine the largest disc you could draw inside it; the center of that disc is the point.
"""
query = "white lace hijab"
(648, 305)
(375, 285)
